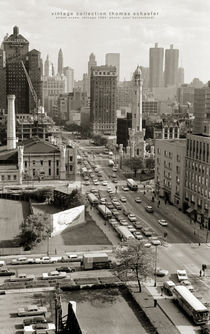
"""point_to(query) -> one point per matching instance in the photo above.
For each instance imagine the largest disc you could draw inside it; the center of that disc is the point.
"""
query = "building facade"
(52, 88)
(201, 108)
(170, 169)
(91, 63)
(60, 62)
(156, 66)
(103, 100)
(69, 75)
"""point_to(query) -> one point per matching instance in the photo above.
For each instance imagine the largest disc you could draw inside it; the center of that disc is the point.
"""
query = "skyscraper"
(60, 62)
(201, 108)
(103, 100)
(69, 74)
(47, 67)
(156, 66)
(180, 79)
(17, 53)
(171, 66)
(113, 59)
(91, 62)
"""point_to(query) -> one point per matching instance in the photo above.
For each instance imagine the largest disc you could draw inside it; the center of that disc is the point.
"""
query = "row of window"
(8, 177)
(190, 176)
(194, 199)
(197, 167)
(198, 150)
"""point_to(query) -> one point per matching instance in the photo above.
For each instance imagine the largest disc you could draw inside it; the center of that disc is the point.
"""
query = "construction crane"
(33, 92)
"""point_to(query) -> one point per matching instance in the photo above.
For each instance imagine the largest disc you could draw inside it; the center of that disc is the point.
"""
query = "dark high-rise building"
(103, 91)
(60, 62)
(171, 66)
(123, 126)
(16, 50)
(92, 62)
(156, 66)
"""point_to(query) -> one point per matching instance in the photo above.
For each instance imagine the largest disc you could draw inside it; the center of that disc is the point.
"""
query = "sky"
(185, 24)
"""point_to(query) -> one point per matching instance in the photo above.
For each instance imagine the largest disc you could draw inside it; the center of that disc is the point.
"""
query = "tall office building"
(171, 66)
(201, 108)
(60, 62)
(47, 67)
(156, 66)
(145, 76)
(180, 79)
(2, 80)
(103, 92)
(17, 53)
(92, 62)
(69, 75)
(113, 59)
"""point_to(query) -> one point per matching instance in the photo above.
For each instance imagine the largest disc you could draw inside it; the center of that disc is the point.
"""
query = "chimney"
(11, 126)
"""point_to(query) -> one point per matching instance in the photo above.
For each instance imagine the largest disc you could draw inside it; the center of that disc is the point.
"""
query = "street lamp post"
(155, 283)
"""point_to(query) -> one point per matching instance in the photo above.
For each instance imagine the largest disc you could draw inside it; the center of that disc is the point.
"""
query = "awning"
(189, 210)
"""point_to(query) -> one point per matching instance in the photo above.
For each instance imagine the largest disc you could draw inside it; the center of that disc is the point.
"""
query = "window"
(14, 177)
(70, 168)
(34, 162)
(57, 171)
(34, 172)
(41, 162)
(2, 178)
(49, 163)
(71, 158)
(57, 163)
(49, 171)
(26, 164)
(8, 177)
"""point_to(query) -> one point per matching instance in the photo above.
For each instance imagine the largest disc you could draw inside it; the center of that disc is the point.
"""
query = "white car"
(138, 200)
(156, 242)
(163, 222)
(39, 328)
(138, 235)
(187, 284)
(132, 217)
(124, 188)
(147, 245)
(31, 310)
(123, 199)
(104, 183)
(54, 274)
(22, 260)
(22, 277)
(44, 259)
(181, 275)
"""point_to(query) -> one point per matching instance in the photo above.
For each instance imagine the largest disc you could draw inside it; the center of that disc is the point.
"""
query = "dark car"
(34, 320)
(65, 269)
(6, 272)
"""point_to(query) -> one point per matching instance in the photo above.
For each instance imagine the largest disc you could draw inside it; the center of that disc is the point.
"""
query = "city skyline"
(185, 25)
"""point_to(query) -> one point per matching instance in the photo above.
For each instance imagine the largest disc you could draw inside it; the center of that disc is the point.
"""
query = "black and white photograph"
(104, 167)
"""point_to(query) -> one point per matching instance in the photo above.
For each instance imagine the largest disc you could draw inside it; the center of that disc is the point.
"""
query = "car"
(114, 169)
(65, 269)
(6, 272)
(96, 183)
(163, 222)
(114, 199)
(132, 217)
(115, 181)
(117, 206)
(138, 225)
(109, 205)
(168, 287)
(138, 200)
(156, 242)
(123, 222)
(138, 235)
(34, 320)
(53, 275)
(104, 183)
(126, 212)
(147, 245)
(146, 231)
(131, 228)
(44, 259)
(31, 310)
(149, 208)
(187, 284)
(86, 183)
(22, 277)
(40, 328)
(161, 272)
(123, 199)
(22, 260)
(103, 201)
(119, 217)
(124, 188)
(181, 275)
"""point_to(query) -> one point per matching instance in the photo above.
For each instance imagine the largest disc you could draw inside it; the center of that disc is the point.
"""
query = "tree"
(134, 164)
(100, 140)
(134, 261)
(150, 163)
(34, 229)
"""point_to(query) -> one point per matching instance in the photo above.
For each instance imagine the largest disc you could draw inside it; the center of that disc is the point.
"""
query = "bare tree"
(134, 261)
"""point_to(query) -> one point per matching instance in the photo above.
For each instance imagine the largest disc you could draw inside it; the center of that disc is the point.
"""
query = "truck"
(110, 163)
(124, 233)
(95, 261)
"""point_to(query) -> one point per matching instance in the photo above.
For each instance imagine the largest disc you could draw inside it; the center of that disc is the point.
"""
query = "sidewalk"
(168, 210)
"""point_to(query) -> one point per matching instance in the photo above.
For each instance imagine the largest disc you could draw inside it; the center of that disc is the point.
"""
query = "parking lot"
(9, 321)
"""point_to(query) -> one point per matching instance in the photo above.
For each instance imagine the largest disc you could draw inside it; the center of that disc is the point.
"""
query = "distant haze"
(185, 24)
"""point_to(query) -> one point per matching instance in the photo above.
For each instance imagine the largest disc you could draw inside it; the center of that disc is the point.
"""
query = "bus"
(124, 233)
(92, 199)
(192, 305)
(132, 184)
(104, 211)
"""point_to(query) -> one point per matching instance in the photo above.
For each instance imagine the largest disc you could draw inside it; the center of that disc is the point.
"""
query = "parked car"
(22, 277)
(149, 209)
(138, 200)
(22, 260)
(31, 310)
(65, 269)
(40, 328)
(138, 235)
(123, 199)
(181, 275)
(163, 222)
(44, 259)
(138, 225)
(104, 183)
(124, 188)
(168, 287)
(53, 275)
(146, 231)
(6, 272)
(156, 242)
(126, 212)
(34, 320)
(132, 217)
